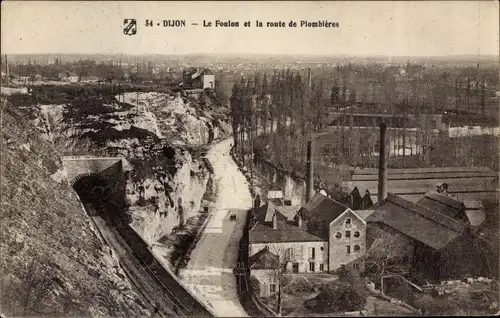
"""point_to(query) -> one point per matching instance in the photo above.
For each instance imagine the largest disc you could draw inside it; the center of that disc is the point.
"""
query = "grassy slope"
(52, 261)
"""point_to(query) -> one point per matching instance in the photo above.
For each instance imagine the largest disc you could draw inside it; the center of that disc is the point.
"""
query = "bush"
(337, 297)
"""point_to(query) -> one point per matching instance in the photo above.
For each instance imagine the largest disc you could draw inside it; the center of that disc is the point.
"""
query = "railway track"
(156, 285)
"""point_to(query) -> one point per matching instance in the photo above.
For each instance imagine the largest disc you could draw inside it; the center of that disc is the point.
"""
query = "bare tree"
(386, 254)
(285, 256)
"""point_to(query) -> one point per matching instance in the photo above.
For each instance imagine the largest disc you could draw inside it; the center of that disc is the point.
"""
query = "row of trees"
(275, 114)
(287, 107)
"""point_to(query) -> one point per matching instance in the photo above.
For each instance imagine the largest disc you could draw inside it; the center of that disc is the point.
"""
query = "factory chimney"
(382, 166)
(310, 174)
(309, 79)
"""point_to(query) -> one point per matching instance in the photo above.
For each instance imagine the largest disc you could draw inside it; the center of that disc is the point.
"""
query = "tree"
(386, 254)
(285, 256)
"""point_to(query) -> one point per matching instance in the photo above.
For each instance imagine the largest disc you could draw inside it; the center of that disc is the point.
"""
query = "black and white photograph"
(249, 158)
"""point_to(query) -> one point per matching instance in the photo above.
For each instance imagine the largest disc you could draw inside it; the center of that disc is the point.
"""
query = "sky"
(388, 28)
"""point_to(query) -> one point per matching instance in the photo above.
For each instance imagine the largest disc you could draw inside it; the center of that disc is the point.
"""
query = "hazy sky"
(366, 28)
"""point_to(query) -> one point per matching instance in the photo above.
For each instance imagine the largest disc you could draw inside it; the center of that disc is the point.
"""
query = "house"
(343, 228)
(357, 200)
(321, 236)
(264, 268)
(68, 77)
(276, 228)
(197, 77)
(441, 247)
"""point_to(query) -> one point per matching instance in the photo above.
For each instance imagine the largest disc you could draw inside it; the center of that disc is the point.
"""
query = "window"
(311, 266)
(348, 249)
(356, 248)
(356, 266)
(312, 252)
(348, 234)
(321, 267)
(272, 288)
(289, 253)
(356, 234)
(321, 248)
(347, 223)
(338, 235)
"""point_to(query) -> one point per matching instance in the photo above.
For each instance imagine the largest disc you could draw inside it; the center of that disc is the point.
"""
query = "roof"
(264, 259)
(264, 213)
(473, 205)
(194, 72)
(475, 217)
(319, 212)
(322, 208)
(285, 232)
(363, 214)
(417, 222)
(441, 203)
(289, 211)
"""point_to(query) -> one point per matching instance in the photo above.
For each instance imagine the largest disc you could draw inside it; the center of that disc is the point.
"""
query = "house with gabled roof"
(263, 266)
(198, 77)
(307, 237)
(278, 229)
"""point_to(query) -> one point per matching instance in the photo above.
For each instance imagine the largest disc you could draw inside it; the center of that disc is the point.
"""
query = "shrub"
(337, 296)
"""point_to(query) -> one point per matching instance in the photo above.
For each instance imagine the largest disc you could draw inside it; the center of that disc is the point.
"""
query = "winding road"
(209, 272)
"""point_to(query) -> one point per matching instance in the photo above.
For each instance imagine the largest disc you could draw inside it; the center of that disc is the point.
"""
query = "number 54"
(149, 23)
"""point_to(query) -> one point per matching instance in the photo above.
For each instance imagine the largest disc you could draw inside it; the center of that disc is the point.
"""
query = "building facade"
(347, 241)
(297, 257)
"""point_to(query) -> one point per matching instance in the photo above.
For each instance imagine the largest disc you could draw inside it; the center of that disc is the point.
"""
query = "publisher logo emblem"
(129, 26)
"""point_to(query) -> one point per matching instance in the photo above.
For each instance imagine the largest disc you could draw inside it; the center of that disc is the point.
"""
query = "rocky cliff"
(158, 133)
(53, 262)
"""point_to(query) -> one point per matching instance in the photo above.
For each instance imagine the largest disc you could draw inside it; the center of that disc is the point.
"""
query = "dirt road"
(209, 272)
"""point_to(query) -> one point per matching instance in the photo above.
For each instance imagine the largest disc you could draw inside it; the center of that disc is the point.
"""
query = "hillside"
(53, 261)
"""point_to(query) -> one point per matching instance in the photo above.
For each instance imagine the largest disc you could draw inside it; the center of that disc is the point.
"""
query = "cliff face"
(53, 261)
(153, 132)
(189, 120)
(161, 201)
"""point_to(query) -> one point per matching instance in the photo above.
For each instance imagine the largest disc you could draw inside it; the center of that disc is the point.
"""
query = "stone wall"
(338, 245)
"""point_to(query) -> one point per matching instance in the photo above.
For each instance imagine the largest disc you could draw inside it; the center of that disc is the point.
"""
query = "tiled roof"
(264, 259)
(265, 212)
(288, 211)
(284, 233)
(426, 226)
(322, 208)
(364, 214)
(319, 213)
(441, 203)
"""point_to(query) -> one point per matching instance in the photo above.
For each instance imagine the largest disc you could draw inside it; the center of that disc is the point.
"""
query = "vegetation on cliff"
(53, 262)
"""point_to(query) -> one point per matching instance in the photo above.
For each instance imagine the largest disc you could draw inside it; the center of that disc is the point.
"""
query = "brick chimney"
(309, 85)
(310, 173)
(382, 166)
